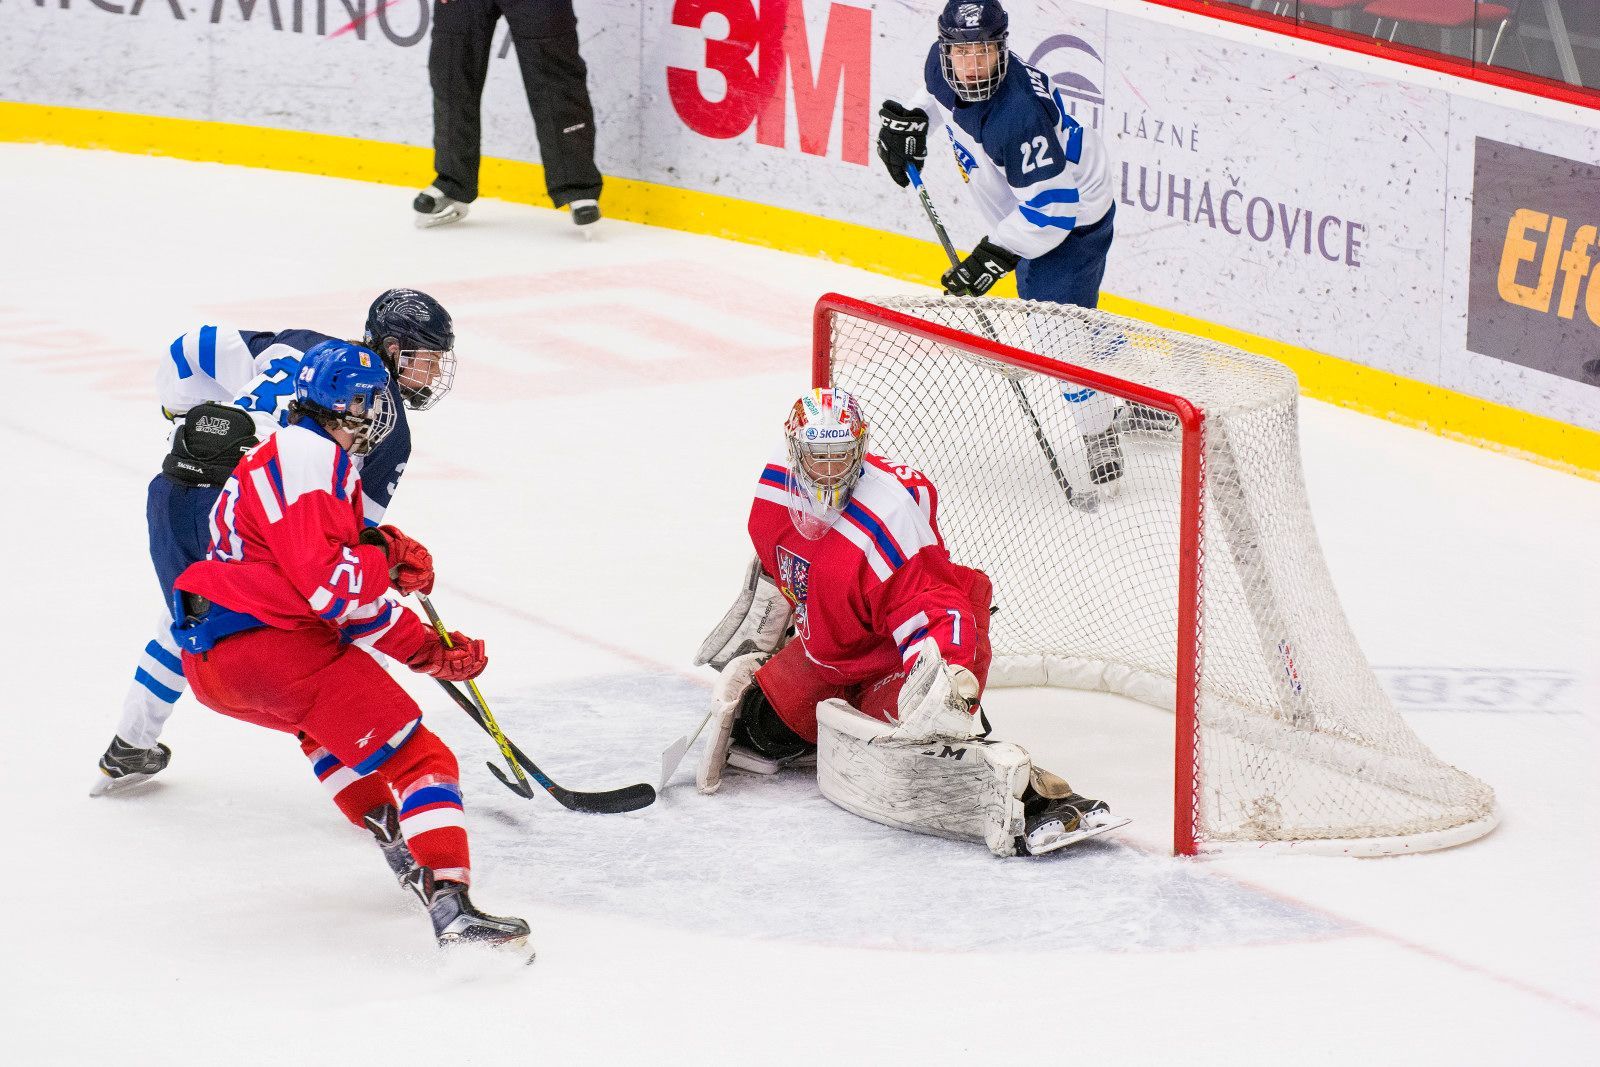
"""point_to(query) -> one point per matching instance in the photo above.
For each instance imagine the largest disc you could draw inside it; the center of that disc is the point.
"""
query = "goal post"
(1193, 582)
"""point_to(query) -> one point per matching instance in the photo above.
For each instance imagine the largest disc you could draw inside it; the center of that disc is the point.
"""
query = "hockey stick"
(483, 716)
(1081, 501)
(680, 748)
(606, 802)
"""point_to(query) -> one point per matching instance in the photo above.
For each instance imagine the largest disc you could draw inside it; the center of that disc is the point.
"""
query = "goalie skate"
(1050, 831)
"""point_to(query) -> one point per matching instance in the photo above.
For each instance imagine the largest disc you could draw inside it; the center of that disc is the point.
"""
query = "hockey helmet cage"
(972, 47)
(345, 385)
(423, 339)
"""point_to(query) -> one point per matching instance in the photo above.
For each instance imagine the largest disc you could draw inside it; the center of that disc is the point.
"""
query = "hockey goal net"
(1194, 582)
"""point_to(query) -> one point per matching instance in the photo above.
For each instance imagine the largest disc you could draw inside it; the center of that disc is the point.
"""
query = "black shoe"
(585, 212)
(123, 766)
(433, 208)
(457, 922)
(1105, 456)
(384, 822)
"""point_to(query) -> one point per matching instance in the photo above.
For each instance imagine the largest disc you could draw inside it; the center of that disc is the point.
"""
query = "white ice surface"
(584, 492)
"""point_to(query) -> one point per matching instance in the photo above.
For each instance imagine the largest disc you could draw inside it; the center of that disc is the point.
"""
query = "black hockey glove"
(977, 274)
(902, 139)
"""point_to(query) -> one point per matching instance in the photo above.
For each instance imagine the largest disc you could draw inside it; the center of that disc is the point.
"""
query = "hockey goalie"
(857, 642)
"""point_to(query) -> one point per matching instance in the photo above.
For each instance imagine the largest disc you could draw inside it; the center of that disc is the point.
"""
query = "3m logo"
(761, 52)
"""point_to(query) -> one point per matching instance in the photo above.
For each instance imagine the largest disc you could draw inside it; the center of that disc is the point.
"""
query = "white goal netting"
(1287, 736)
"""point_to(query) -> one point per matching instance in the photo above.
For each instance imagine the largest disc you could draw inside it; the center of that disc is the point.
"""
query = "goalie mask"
(972, 48)
(827, 438)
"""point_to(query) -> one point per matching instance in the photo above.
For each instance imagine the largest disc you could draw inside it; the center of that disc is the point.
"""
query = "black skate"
(384, 822)
(1105, 456)
(1139, 418)
(124, 766)
(457, 922)
(1055, 824)
(585, 212)
(433, 208)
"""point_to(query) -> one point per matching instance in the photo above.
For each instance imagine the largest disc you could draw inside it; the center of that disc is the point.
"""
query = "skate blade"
(105, 785)
(1081, 834)
(444, 218)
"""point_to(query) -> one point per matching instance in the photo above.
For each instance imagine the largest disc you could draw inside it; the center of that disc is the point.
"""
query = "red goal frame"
(1192, 483)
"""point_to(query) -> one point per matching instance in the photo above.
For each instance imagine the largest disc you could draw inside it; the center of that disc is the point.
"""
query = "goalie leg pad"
(954, 787)
(737, 677)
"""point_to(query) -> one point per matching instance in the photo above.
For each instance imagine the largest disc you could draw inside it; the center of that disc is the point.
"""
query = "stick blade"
(609, 802)
(670, 759)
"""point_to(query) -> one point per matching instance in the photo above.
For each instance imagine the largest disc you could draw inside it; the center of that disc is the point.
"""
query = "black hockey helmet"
(964, 24)
(422, 356)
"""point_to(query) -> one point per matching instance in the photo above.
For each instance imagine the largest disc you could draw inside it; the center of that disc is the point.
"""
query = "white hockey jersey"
(1036, 173)
(255, 369)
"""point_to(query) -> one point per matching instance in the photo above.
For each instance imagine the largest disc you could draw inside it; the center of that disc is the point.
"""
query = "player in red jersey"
(889, 651)
(277, 621)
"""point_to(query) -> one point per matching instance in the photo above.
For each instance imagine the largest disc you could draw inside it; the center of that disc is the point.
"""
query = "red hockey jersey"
(285, 548)
(869, 590)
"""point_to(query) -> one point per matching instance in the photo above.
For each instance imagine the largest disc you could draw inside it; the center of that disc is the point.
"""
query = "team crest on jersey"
(794, 578)
(964, 161)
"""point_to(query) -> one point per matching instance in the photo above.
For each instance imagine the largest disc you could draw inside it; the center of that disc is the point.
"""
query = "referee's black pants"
(545, 33)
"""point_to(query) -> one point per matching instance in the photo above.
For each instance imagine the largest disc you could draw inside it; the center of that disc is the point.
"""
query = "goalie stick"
(604, 802)
(1080, 501)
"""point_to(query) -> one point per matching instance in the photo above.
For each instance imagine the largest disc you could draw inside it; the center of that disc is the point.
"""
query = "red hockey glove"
(410, 565)
(465, 659)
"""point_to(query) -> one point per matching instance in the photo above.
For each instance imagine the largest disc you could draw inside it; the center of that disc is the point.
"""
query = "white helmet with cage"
(827, 439)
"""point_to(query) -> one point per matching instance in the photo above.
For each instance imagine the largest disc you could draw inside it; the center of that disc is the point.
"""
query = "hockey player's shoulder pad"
(1028, 131)
(917, 485)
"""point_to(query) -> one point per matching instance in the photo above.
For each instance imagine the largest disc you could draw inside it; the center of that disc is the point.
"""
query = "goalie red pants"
(362, 732)
(794, 685)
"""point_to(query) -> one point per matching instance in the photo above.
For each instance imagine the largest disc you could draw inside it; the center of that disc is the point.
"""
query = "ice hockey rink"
(584, 490)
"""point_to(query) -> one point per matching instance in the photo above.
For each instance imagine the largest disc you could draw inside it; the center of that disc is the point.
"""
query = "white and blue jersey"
(1036, 173)
(255, 369)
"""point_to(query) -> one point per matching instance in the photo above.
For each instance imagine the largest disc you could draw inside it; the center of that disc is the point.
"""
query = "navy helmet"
(965, 27)
(342, 384)
(414, 334)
